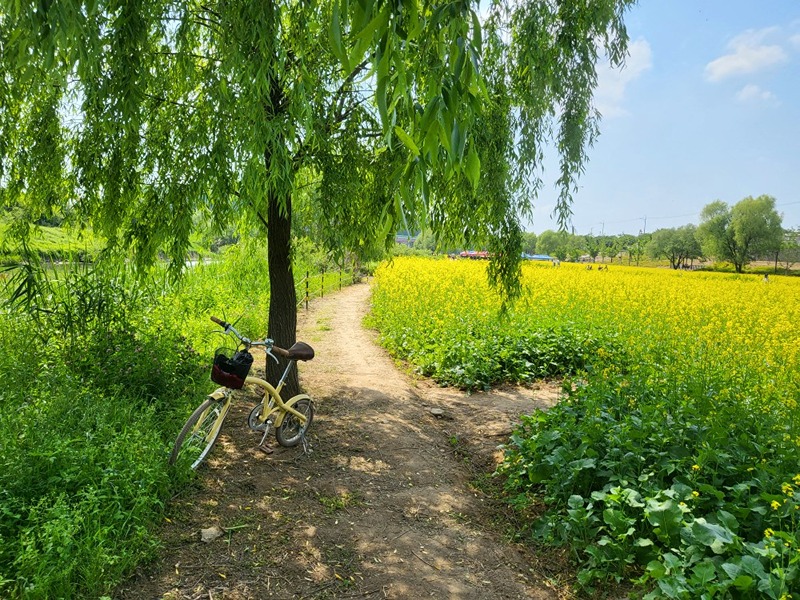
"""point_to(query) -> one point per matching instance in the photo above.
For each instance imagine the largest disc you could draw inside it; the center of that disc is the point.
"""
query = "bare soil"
(393, 501)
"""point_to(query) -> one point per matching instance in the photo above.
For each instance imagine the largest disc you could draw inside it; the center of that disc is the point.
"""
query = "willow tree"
(750, 229)
(139, 115)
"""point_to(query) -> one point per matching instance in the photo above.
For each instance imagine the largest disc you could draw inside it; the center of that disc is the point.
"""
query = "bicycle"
(291, 418)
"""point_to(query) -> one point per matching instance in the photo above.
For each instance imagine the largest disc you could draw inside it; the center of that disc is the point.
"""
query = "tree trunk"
(283, 297)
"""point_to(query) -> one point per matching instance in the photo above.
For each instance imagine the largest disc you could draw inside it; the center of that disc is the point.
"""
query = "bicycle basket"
(231, 372)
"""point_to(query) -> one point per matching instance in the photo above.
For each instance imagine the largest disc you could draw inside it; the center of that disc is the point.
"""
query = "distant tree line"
(750, 230)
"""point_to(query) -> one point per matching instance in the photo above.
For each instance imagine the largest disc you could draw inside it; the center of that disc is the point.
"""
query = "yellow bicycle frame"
(280, 407)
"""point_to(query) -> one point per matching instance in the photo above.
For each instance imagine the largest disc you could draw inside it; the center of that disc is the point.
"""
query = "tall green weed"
(95, 392)
(82, 462)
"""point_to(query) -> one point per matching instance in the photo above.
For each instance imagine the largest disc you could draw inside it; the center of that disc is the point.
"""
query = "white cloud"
(748, 54)
(753, 93)
(795, 40)
(612, 82)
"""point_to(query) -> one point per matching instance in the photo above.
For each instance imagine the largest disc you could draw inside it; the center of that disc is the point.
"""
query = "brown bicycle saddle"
(300, 351)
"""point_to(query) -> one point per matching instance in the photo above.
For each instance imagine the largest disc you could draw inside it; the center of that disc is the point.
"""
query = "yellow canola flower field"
(684, 321)
(680, 430)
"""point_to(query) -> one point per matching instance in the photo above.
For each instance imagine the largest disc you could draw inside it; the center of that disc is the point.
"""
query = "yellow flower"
(695, 467)
(695, 493)
(796, 479)
(768, 533)
(787, 489)
(775, 505)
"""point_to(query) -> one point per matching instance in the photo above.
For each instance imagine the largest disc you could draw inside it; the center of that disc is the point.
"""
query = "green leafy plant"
(626, 490)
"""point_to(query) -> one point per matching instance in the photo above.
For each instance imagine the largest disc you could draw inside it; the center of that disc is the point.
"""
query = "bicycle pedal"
(265, 449)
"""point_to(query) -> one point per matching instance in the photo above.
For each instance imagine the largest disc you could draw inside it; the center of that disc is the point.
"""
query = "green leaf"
(743, 582)
(537, 475)
(408, 142)
(473, 169)
(617, 520)
(633, 498)
(672, 562)
(656, 569)
(750, 564)
(477, 39)
(703, 573)
(457, 140)
(717, 537)
(728, 520)
(665, 514)
(459, 66)
(429, 115)
(672, 587)
(575, 501)
(380, 98)
(335, 37)
(449, 101)
(731, 569)
(444, 131)
(583, 463)
(377, 23)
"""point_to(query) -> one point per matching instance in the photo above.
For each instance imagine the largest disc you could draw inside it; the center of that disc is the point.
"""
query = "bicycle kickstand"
(261, 446)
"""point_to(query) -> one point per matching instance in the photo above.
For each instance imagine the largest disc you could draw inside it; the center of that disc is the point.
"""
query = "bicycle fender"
(291, 402)
(219, 393)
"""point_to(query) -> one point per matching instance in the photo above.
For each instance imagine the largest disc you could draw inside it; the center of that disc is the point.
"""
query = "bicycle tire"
(291, 430)
(252, 419)
(200, 432)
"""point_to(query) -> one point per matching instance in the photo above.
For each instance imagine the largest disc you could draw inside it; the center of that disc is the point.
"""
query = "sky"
(707, 108)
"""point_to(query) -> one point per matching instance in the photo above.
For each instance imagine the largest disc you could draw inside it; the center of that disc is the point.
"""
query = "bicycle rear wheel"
(200, 432)
(291, 430)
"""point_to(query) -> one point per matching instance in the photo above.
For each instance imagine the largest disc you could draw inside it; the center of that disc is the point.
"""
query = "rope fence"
(314, 285)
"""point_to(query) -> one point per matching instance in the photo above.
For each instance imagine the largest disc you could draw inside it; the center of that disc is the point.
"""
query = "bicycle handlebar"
(267, 343)
(220, 322)
(299, 351)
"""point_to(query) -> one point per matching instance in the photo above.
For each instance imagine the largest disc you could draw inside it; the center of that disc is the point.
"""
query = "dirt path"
(385, 506)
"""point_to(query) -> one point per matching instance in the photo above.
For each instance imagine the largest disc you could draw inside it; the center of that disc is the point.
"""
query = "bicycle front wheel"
(200, 433)
(291, 430)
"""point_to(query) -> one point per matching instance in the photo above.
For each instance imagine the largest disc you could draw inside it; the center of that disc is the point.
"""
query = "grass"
(339, 502)
(53, 244)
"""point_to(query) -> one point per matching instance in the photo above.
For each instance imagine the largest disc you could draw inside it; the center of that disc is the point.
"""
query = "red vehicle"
(475, 254)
